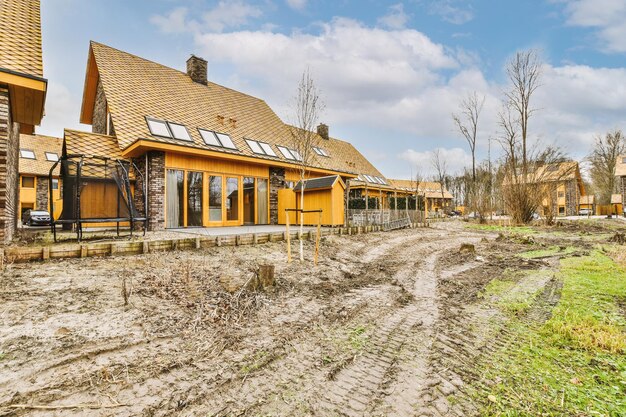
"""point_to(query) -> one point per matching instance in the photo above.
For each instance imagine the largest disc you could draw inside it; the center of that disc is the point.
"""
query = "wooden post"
(255, 239)
(367, 210)
(218, 241)
(288, 240)
(45, 255)
(83, 250)
(197, 243)
(317, 238)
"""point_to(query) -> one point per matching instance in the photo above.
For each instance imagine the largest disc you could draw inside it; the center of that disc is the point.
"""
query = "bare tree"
(307, 109)
(603, 160)
(524, 72)
(440, 166)
(467, 123)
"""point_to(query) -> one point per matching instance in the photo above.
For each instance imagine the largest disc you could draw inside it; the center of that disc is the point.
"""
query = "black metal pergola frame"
(123, 186)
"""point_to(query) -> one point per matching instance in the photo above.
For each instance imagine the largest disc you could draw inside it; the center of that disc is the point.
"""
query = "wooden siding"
(218, 166)
(331, 201)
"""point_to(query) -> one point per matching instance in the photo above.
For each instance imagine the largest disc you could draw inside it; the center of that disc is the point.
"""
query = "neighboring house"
(617, 206)
(37, 156)
(620, 172)
(212, 156)
(559, 185)
(22, 97)
(436, 201)
(587, 202)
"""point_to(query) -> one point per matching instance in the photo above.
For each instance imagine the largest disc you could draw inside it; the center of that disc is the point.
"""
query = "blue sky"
(391, 73)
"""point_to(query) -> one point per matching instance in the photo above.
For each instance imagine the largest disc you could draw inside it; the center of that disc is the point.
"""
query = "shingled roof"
(89, 144)
(430, 189)
(39, 144)
(20, 37)
(320, 183)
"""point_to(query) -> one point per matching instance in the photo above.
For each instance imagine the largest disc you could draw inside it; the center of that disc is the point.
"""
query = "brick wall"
(43, 194)
(277, 182)
(99, 124)
(9, 153)
(156, 189)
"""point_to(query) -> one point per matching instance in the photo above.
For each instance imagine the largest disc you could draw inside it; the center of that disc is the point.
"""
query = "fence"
(381, 217)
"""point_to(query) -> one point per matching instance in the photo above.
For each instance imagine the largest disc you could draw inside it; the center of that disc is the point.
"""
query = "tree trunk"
(302, 220)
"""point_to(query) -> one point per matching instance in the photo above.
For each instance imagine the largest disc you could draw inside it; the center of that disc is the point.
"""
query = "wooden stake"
(317, 238)
(288, 241)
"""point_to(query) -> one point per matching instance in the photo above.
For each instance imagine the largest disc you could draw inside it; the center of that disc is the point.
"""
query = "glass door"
(215, 198)
(175, 198)
(248, 200)
(194, 199)
(231, 200)
(262, 201)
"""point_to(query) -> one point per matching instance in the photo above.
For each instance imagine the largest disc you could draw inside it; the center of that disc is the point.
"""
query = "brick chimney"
(197, 69)
(322, 130)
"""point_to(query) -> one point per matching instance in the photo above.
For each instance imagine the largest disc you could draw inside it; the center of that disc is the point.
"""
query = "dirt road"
(388, 324)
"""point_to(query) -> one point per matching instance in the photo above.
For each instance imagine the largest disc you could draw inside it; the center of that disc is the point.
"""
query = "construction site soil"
(387, 324)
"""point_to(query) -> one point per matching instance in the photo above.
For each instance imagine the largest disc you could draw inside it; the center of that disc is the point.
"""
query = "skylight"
(217, 139)
(158, 128)
(26, 153)
(51, 156)
(320, 151)
(268, 149)
(179, 131)
(296, 154)
(254, 145)
(286, 153)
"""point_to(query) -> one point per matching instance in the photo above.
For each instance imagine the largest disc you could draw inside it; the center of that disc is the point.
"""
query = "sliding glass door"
(215, 198)
(232, 199)
(248, 200)
(194, 199)
(262, 199)
(175, 198)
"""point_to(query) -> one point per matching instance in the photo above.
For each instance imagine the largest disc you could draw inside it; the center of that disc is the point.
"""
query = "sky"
(391, 74)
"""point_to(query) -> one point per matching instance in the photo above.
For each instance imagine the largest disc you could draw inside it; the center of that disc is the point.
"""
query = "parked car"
(453, 213)
(584, 212)
(36, 218)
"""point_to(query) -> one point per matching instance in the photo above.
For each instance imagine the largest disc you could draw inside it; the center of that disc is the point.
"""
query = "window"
(217, 139)
(286, 153)
(320, 151)
(179, 131)
(215, 198)
(55, 184)
(260, 148)
(51, 156)
(28, 182)
(296, 154)
(26, 153)
(561, 194)
(158, 128)
(232, 199)
(194, 198)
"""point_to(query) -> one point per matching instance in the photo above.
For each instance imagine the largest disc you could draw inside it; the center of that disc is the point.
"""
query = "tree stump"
(467, 248)
(266, 276)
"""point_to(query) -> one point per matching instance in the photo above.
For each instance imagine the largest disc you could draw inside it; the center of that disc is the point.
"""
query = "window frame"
(219, 135)
(252, 144)
(164, 122)
(286, 153)
(272, 154)
(29, 177)
(170, 128)
(22, 151)
(56, 155)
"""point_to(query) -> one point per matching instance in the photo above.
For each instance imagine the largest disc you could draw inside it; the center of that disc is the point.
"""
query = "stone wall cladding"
(99, 124)
(572, 198)
(156, 188)
(277, 182)
(43, 194)
(9, 153)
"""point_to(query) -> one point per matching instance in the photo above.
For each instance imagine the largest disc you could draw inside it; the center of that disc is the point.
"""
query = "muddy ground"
(387, 324)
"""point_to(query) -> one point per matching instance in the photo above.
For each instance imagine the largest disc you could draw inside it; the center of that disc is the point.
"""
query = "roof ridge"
(92, 42)
(88, 133)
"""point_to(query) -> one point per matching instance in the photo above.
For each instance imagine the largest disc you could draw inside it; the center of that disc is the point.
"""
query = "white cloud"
(227, 14)
(297, 4)
(456, 159)
(607, 16)
(396, 18)
(59, 103)
(451, 13)
(173, 22)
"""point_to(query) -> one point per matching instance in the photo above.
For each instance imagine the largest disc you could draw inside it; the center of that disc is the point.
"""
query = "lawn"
(574, 364)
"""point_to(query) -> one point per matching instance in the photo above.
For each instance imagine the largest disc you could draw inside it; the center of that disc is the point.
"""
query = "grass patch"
(523, 230)
(544, 253)
(575, 363)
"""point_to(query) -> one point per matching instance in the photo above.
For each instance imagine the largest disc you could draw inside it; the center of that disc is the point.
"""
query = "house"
(22, 97)
(435, 200)
(587, 202)
(211, 156)
(620, 172)
(37, 155)
(617, 206)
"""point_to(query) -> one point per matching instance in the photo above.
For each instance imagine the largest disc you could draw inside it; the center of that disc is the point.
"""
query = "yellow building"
(22, 97)
(37, 156)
